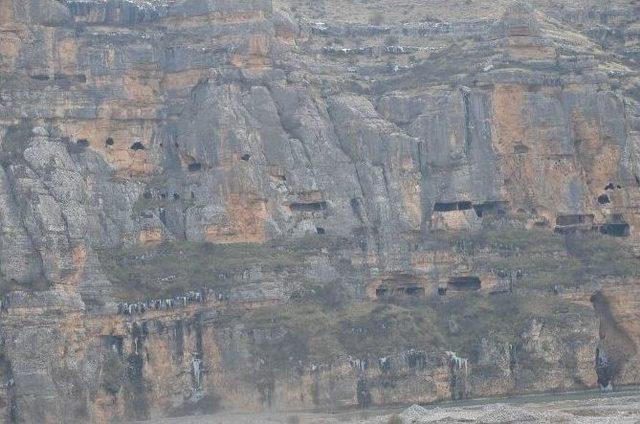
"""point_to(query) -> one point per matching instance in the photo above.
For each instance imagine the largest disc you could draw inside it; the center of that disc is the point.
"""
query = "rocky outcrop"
(410, 195)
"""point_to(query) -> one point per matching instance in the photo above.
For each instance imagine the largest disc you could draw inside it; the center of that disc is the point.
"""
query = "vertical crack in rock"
(468, 126)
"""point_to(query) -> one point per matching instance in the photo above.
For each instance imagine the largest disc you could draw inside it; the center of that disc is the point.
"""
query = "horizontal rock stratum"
(247, 204)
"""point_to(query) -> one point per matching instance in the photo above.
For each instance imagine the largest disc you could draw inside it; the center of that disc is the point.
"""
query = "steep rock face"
(388, 162)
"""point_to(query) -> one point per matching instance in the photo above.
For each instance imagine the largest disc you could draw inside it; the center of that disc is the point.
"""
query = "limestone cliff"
(245, 204)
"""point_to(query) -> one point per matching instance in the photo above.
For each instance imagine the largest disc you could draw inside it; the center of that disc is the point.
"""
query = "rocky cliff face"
(239, 204)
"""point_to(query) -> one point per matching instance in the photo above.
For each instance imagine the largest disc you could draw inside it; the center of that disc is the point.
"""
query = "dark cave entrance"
(452, 206)
(308, 207)
(618, 229)
(194, 167)
(574, 219)
(464, 283)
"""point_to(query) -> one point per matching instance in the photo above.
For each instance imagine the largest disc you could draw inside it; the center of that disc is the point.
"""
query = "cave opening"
(603, 199)
(308, 207)
(570, 223)
(194, 167)
(137, 146)
(445, 206)
(616, 229)
(83, 142)
(520, 149)
(452, 206)
(492, 207)
(245, 157)
(574, 219)
(109, 141)
(320, 230)
(464, 283)
(464, 206)
(415, 291)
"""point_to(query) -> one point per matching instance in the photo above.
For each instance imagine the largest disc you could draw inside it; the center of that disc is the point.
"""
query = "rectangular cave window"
(452, 206)
(464, 283)
(414, 291)
(616, 229)
(194, 167)
(83, 142)
(493, 207)
(320, 230)
(40, 77)
(464, 206)
(308, 207)
(574, 219)
(520, 149)
(445, 206)
(442, 291)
